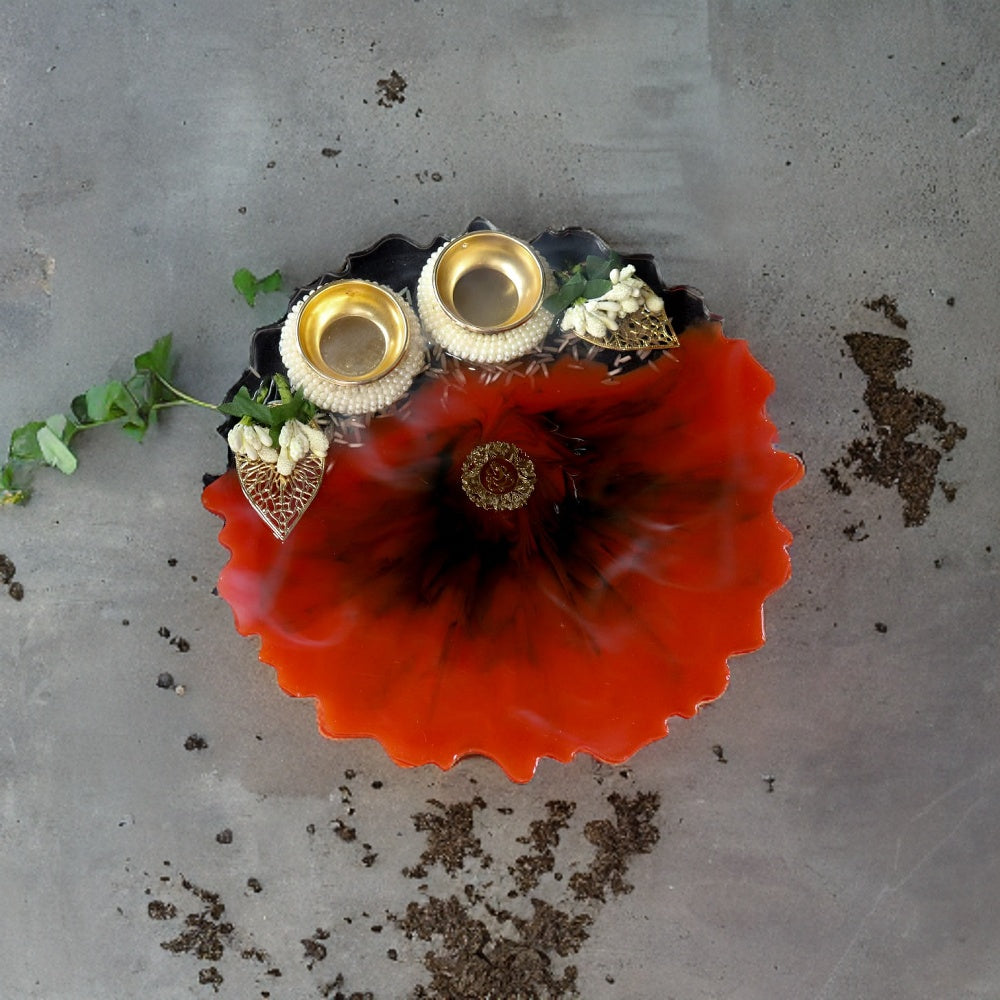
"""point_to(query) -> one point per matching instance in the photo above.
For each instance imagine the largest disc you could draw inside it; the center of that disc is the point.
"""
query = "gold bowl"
(352, 332)
(488, 282)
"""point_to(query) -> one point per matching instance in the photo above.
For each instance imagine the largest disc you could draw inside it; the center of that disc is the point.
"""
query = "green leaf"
(54, 452)
(250, 286)
(244, 405)
(598, 267)
(24, 446)
(159, 359)
(102, 402)
(596, 287)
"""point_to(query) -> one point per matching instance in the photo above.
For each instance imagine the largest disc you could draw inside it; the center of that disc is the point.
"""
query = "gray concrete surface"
(792, 160)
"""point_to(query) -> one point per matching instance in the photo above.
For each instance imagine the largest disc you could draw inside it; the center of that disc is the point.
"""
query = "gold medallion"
(280, 500)
(498, 476)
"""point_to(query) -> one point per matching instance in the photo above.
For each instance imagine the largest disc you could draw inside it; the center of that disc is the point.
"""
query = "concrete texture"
(792, 160)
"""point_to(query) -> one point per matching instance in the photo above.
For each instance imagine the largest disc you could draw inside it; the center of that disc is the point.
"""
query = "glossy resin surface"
(579, 621)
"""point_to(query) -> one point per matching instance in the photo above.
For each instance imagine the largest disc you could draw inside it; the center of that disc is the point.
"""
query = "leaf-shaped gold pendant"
(280, 500)
(639, 331)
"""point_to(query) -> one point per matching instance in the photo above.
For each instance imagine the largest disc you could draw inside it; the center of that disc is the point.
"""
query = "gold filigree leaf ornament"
(629, 316)
(279, 477)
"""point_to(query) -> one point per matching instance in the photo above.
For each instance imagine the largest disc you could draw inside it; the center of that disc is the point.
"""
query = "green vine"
(133, 403)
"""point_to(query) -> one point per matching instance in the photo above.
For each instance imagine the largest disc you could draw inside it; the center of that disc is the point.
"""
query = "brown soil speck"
(391, 90)
(892, 457)
(856, 532)
(837, 484)
(158, 910)
(211, 977)
(314, 949)
(450, 839)
(7, 571)
(345, 832)
(889, 308)
(195, 742)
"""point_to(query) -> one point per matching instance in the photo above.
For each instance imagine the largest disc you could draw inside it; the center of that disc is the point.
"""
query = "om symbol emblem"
(498, 476)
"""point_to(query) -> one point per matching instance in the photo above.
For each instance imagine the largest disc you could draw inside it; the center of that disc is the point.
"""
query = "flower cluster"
(295, 441)
(598, 316)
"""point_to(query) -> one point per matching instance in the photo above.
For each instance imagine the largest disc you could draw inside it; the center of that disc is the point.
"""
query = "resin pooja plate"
(529, 558)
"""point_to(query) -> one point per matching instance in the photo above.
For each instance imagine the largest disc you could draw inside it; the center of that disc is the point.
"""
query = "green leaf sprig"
(256, 410)
(587, 280)
(133, 403)
(250, 286)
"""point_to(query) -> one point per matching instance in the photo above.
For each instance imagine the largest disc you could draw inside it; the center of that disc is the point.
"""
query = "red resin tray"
(578, 623)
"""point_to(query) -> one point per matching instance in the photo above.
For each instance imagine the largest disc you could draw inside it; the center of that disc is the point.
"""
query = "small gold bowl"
(352, 332)
(488, 282)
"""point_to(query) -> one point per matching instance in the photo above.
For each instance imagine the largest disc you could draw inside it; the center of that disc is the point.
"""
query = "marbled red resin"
(579, 622)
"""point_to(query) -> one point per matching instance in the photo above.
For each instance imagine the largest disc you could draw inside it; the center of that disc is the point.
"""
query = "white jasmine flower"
(235, 438)
(596, 317)
(318, 441)
(296, 440)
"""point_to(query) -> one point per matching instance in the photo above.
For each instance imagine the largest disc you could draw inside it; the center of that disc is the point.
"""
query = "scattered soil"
(206, 935)
(486, 951)
(893, 456)
(450, 838)
(475, 963)
(543, 838)
(391, 90)
(165, 680)
(195, 742)
(476, 947)
(632, 832)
